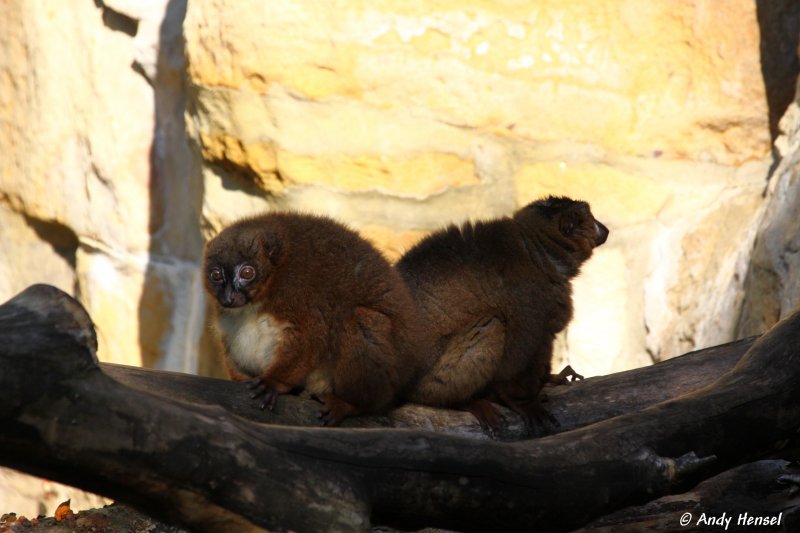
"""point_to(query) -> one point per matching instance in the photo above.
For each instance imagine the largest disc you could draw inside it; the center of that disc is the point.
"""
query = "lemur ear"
(567, 223)
(272, 246)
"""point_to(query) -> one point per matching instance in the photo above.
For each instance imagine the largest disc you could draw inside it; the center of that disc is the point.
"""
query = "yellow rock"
(224, 51)
(678, 77)
(256, 160)
(110, 289)
(617, 197)
(391, 242)
(600, 298)
(423, 175)
(227, 200)
(32, 259)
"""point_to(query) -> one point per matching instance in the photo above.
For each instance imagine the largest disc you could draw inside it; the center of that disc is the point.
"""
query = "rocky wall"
(772, 288)
(95, 184)
(401, 117)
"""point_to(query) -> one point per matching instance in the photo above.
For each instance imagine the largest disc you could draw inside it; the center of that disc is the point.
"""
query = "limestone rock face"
(773, 279)
(71, 161)
(92, 99)
(91, 107)
(545, 72)
(402, 117)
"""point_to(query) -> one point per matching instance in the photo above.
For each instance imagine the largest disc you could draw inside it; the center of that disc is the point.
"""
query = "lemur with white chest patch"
(304, 302)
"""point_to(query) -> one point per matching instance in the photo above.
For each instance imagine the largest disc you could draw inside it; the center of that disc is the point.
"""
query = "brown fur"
(496, 294)
(324, 311)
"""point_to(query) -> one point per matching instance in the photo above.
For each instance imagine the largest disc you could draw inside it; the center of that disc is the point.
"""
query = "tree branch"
(621, 393)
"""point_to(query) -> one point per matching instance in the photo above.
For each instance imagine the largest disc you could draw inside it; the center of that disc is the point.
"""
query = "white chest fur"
(250, 338)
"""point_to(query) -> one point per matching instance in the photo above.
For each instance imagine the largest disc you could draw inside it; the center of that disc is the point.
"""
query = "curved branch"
(611, 396)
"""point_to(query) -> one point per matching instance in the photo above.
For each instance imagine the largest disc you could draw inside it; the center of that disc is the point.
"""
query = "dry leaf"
(63, 511)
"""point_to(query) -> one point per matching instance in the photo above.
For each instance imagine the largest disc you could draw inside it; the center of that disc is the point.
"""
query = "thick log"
(763, 495)
(610, 396)
(758, 496)
(204, 466)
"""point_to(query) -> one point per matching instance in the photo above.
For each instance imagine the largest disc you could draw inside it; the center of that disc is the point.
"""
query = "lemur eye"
(247, 273)
(215, 275)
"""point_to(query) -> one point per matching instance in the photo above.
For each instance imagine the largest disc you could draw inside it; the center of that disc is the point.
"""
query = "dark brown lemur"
(305, 303)
(496, 294)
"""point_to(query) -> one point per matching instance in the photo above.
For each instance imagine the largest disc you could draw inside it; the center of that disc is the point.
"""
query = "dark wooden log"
(758, 496)
(608, 396)
(744, 498)
(211, 469)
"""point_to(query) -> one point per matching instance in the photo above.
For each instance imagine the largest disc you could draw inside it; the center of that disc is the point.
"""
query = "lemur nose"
(602, 233)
